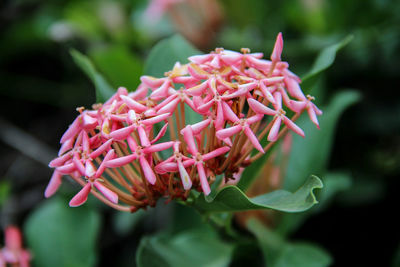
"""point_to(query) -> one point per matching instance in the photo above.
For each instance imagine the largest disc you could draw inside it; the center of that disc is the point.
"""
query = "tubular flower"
(244, 102)
(13, 252)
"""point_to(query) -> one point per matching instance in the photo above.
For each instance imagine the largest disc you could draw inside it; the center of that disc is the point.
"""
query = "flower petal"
(81, 197)
(110, 195)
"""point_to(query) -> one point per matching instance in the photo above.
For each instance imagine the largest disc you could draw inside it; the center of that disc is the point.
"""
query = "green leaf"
(119, 65)
(103, 88)
(281, 253)
(190, 248)
(231, 198)
(311, 154)
(166, 53)
(326, 58)
(62, 236)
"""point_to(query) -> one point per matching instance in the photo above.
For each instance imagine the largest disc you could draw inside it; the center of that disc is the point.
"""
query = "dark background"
(41, 87)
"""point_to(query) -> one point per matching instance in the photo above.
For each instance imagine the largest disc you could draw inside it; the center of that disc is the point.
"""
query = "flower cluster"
(13, 253)
(116, 152)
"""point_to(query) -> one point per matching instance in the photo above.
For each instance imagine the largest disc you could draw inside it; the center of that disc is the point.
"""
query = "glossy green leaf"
(60, 236)
(326, 58)
(311, 154)
(281, 253)
(231, 198)
(166, 53)
(103, 88)
(119, 65)
(190, 248)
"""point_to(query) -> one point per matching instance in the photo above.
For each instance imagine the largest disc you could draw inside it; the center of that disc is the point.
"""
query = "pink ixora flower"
(140, 146)
(13, 252)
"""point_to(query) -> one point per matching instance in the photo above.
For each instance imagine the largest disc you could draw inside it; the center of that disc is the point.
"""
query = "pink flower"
(121, 151)
(13, 252)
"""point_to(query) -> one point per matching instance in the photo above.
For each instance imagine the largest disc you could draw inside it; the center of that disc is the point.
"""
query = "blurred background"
(41, 86)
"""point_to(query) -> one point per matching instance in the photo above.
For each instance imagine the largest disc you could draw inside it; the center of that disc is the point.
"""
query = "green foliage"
(166, 53)
(282, 253)
(323, 61)
(5, 190)
(58, 235)
(103, 88)
(311, 154)
(231, 198)
(119, 65)
(189, 248)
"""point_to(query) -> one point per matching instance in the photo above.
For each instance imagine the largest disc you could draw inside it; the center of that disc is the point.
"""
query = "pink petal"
(133, 104)
(158, 147)
(155, 119)
(78, 164)
(121, 161)
(273, 133)
(259, 108)
(53, 185)
(13, 238)
(200, 59)
(162, 91)
(196, 74)
(198, 90)
(297, 106)
(165, 167)
(67, 168)
(122, 133)
(228, 113)
(313, 116)
(203, 179)
(160, 134)
(110, 155)
(147, 171)
(219, 120)
(215, 62)
(140, 92)
(200, 126)
(67, 145)
(88, 121)
(151, 81)
(278, 101)
(294, 88)
(170, 107)
(254, 118)
(72, 131)
(215, 153)
(266, 93)
(228, 132)
(81, 197)
(59, 161)
(186, 181)
(110, 195)
(188, 136)
(90, 169)
(253, 139)
(205, 107)
(292, 126)
(278, 47)
(144, 139)
(166, 101)
(101, 149)
(132, 143)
